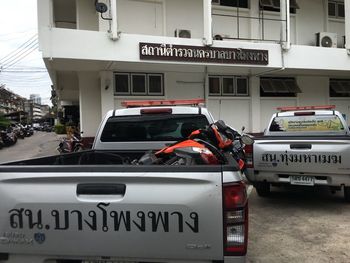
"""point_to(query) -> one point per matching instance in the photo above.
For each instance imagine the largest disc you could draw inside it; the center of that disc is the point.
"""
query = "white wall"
(234, 111)
(315, 90)
(140, 17)
(90, 103)
(184, 85)
(337, 26)
(87, 17)
(67, 86)
(107, 91)
(310, 20)
(184, 14)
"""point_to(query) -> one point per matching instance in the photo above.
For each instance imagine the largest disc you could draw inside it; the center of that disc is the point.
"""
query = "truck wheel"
(347, 193)
(263, 189)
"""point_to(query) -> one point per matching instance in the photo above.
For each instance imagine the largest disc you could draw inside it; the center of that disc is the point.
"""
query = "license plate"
(302, 180)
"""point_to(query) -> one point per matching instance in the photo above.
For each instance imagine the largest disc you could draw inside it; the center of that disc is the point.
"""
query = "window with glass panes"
(228, 86)
(138, 83)
(233, 3)
(336, 9)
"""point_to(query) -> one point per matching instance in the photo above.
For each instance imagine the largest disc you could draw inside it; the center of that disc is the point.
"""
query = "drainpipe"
(207, 23)
(285, 24)
(347, 25)
(114, 35)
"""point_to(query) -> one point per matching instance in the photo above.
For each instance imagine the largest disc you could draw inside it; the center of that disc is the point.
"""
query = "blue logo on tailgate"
(39, 238)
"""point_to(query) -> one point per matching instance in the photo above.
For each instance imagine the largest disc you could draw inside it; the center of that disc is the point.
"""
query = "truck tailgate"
(103, 213)
(314, 156)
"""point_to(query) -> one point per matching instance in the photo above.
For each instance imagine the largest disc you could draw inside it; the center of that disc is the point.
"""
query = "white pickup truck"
(305, 146)
(96, 207)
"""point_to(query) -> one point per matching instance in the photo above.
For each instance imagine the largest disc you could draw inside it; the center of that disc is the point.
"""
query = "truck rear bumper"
(16, 258)
(285, 178)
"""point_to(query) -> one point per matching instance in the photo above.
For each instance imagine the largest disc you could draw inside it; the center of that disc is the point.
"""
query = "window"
(306, 124)
(155, 84)
(153, 127)
(278, 87)
(214, 86)
(122, 83)
(336, 9)
(138, 84)
(228, 86)
(233, 3)
(339, 88)
(274, 5)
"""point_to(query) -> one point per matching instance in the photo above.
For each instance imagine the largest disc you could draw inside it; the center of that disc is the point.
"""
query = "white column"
(45, 19)
(254, 85)
(254, 23)
(89, 102)
(114, 27)
(347, 25)
(325, 15)
(207, 24)
(107, 92)
(285, 24)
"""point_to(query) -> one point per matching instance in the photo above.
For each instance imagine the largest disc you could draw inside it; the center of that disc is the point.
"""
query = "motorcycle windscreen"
(152, 215)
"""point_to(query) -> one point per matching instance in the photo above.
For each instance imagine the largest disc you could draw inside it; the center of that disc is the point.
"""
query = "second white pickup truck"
(305, 146)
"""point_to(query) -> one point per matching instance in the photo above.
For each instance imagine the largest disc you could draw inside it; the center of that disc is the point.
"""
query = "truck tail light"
(157, 111)
(235, 219)
(248, 149)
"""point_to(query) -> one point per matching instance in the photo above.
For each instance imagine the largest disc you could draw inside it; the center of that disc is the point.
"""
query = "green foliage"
(4, 122)
(60, 129)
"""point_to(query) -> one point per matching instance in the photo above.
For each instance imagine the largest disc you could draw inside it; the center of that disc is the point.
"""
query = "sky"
(22, 69)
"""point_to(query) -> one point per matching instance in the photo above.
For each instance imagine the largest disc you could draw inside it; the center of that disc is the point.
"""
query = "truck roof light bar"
(321, 107)
(150, 103)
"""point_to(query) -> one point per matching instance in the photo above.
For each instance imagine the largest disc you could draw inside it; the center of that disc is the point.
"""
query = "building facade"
(245, 58)
(10, 102)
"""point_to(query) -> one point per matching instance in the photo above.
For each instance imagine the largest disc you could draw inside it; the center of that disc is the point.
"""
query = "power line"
(19, 48)
(9, 60)
(15, 61)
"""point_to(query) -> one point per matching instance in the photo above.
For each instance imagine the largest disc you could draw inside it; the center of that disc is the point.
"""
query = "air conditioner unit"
(326, 39)
(183, 33)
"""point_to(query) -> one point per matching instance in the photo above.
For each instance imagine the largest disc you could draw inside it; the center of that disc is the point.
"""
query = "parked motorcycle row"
(9, 135)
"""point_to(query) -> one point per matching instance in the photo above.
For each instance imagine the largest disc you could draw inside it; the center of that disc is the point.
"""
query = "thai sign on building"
(153, 51)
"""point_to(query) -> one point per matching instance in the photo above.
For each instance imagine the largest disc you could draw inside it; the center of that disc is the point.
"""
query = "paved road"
(298, 225)
(40, 144)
